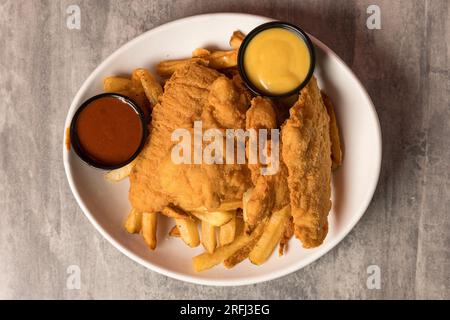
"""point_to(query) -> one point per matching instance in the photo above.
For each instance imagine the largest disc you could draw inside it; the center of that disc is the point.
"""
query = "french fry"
(116, 84)
(271, 235)
(200, 52)
(207, 260)
(215, 218)
(151, 87)
(227, 232)
(133, 224)
(175, 212)
(336, 151)
(168, 67)
(188, 232)
(222, 59)
(245, 199)
(149, 225)
(209, 240)
(241, 254)
(136, 83)
(236, 39)
(121, 173)
(215, 60)
(174, 232)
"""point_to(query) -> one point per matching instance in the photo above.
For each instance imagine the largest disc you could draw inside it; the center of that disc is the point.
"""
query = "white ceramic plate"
(106, 204)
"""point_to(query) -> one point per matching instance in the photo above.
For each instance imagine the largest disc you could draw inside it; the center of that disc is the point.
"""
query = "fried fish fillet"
(306, 151)
(270, 192)
(194, 92)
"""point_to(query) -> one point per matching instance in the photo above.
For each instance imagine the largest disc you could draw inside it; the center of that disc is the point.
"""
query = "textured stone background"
(404, 67)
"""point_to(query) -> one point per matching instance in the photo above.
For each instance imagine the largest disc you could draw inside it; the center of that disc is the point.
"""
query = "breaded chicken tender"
(193, 93)
(270, 192)
(306, 151)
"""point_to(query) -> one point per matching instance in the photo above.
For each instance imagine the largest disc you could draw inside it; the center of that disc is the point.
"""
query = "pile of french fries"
(215, 60)
(222, 233)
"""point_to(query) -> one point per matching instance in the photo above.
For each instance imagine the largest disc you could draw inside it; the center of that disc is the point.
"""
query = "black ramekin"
(270, 25)
(75, 142)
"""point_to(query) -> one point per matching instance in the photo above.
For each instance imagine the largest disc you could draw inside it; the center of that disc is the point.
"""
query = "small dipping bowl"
(259, 64)
(108, 131)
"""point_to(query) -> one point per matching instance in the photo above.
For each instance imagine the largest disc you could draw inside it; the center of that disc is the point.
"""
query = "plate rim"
(325, 248)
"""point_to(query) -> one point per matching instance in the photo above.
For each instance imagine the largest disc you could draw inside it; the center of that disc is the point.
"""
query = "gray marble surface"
(404, 67)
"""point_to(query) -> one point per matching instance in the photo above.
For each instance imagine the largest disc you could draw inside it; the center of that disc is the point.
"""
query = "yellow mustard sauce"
(277, 61)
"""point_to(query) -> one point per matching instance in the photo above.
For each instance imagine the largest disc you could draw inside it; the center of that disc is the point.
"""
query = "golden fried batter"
(306, 152)
(270, 192)
(194, 92)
